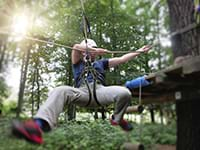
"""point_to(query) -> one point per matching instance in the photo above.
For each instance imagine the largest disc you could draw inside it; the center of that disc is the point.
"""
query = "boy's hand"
(144, 49)
(100, 51)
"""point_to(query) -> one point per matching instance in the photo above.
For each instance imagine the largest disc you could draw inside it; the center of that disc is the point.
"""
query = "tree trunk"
(114, 41)
(2, 53)
(161, 114)
(151, 109)
(188, 124)
(103, 113)
(32, 95)
(181, 17)
(38, 86)
(71, 111)
(185, 42)
(96, 114)
(24, 69)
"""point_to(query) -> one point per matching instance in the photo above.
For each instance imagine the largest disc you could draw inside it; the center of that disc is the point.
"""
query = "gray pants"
(64, 95)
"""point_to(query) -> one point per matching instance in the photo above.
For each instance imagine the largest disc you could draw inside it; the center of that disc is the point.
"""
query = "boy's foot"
(125, 125)
(28, 130)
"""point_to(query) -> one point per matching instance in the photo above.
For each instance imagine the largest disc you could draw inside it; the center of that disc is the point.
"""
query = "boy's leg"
(121, 96)
(56, 101)
(118, 94)
(48, 113)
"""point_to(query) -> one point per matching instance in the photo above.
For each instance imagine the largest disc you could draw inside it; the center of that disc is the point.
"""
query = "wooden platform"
(177, 82)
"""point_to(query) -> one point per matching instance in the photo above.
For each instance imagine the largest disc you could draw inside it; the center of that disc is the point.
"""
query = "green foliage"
(90, 136)
(9, 108)
(96, 135)
(163, 134)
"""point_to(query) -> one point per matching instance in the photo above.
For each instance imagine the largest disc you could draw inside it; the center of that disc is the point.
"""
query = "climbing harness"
(88, 68)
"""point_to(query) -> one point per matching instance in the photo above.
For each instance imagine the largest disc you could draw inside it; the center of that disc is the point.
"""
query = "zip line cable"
(68, 47)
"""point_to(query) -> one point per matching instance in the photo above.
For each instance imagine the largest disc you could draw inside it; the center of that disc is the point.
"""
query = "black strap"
(94, 93)
(86, 71)
(90, 93)
(85, 26)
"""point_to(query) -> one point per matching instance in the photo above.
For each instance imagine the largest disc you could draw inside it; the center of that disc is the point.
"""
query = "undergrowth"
(96, 135)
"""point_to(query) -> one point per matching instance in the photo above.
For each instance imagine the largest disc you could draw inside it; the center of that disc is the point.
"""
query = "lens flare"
(20, 25)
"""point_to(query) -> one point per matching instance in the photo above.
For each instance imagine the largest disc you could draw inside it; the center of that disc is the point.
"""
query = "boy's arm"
(123, 59)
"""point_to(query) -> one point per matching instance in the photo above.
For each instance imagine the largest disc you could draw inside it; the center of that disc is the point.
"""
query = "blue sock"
(39, 122)
(44, 125)
(198, 9)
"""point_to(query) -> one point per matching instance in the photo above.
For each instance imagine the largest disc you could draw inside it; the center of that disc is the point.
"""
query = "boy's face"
(91, 54)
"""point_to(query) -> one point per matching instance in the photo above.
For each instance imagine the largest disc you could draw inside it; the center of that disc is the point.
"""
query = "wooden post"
(188, 124)
(131, 146)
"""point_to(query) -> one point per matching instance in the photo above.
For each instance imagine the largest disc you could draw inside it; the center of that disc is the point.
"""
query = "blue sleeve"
(135, 83)
(105, 64)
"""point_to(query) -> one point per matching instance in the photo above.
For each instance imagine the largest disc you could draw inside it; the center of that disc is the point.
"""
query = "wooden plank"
(182, 77)
(188, 66)
(165, 147)
(160, 76)
(191, 66)
(160, 98)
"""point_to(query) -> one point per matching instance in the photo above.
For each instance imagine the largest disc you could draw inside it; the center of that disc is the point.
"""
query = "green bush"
(96, 135)
(90, 136)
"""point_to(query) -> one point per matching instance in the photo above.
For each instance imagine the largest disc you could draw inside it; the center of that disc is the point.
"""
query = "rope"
(141, 114)
(82, 6)
(69, 47)
(84, 21)
(85, 29)
(41, 41)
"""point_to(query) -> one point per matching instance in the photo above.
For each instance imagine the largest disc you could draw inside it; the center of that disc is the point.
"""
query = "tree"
(24, 69)
(185, 41)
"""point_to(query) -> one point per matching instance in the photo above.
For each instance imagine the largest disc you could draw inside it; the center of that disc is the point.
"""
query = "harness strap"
(89, 68)
(84, 74)
(94, 88)
(89, 91)
(85, 26)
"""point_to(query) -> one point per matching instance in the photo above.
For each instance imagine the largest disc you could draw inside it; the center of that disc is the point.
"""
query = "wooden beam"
(191, 66)
(160, 98)
(166, 97)
(135, 109)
